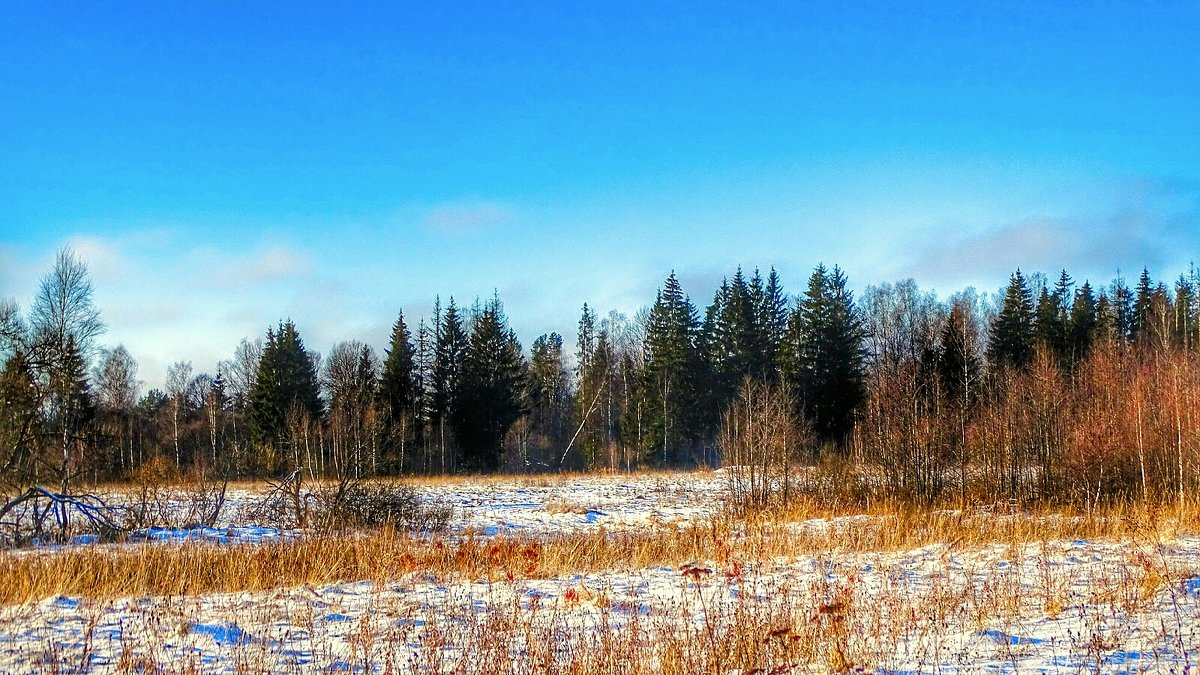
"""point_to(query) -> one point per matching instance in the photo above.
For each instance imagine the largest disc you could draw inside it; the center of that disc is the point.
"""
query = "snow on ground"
(1055, 607)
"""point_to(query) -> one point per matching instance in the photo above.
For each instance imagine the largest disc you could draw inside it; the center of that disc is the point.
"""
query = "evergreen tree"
(286, 381)
(823, 355)
(772, 313)
(1108, 325)
(672, 375)
(549, 396)
(735, 345)
(1185, 312)
(491, 398)
(400, 394)
(423, 380)
(1084, 320)
(591, 373)
(70, 411)
(1045, 324)
(449, 356)
(1012, 337)
(1121, 301)
(20, 422)
(958, 364)
(1140, 325)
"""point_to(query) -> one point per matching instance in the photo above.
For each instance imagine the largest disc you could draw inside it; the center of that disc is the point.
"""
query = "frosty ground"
(1124, 602)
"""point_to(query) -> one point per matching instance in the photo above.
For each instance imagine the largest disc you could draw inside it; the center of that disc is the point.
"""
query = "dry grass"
(196, 568)
(816, 623)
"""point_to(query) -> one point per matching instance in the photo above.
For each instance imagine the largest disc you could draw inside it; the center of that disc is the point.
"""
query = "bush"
(378, 505)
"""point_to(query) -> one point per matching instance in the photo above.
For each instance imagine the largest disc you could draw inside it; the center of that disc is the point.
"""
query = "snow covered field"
(1054, 606)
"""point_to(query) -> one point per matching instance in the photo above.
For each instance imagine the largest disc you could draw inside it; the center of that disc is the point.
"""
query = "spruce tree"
(1084, 319)
(1184, 319)
(1012, 338)
(286, 381)
(672, 375)
(772, 313)
(957, 364)
(591, 372)
(823, 355)
(449, 354)
(400, 394)
(491, 398)
(71, 409)
(1140, 326)
(548, 393)
(20, 421)
(1121, 302)
(1108, 325)
(734, 343)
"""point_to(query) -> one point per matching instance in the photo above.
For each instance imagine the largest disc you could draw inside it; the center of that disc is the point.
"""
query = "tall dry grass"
(808, 528)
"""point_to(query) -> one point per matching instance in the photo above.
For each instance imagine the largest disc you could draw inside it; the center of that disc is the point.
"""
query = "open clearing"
(664, 580)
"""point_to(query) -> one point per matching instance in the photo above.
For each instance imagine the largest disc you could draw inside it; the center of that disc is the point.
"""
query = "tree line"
(1053, 389)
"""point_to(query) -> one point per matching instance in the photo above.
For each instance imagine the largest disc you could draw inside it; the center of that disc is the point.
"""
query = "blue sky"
(224, 165)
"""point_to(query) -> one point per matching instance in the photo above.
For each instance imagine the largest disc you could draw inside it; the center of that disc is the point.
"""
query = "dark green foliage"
(400, 394)
(734, 339)
(1121, 301)
(70, 410)
(20, 421)
(673, 377)
(958, 365)
(1084, 322)
(1184, 333)
(823, 355)
(1053, 320)
(491, 396)
(549, 398)
(1012, 339)
(1107, 322)
(1140, 324)
(772, 311)
(286, 383)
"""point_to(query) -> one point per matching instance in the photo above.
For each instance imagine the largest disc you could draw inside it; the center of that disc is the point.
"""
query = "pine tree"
(400, 394)
(1012, 337)
(491, 398)
(286, 381)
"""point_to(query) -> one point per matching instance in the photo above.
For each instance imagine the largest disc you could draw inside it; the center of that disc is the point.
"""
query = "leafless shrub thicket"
(761, 438)
(347, 504)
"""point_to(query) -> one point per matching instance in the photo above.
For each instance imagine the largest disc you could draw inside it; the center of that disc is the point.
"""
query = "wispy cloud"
(1156, 226)
(467, 216)
(265, 265)
(106, 259)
